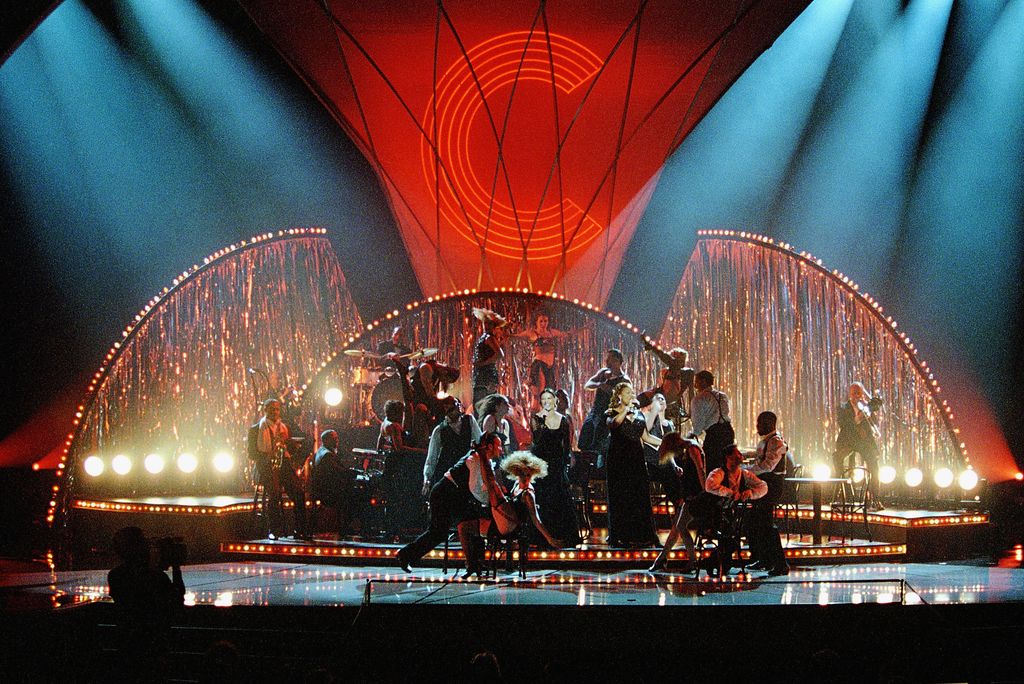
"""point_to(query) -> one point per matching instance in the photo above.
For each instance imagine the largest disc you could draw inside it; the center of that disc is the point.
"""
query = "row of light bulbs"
(154, 463)
(912, 477)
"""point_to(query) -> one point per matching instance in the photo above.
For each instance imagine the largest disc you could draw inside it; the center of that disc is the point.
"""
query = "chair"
(854, 497)
(721, 534)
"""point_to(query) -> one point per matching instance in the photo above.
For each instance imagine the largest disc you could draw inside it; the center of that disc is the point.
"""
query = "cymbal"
(362, 353)
(425, 353)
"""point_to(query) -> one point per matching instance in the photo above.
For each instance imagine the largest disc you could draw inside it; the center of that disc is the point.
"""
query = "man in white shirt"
(769, 463)
(709, 415)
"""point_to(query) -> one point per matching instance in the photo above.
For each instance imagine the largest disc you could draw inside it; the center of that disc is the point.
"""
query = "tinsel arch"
(781, 332)
(179, 377)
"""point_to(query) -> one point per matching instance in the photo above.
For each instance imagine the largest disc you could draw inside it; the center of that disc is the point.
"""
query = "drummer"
(395, 351)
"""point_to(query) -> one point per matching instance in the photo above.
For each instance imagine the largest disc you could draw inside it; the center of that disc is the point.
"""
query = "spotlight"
(943, 477)
(886, 474)
(121, 464)
(968, 480)
(154, 464)
(223, 462)
(913, 477)
(332, 397)
(93, 466)
(821, 471)
(858, 475)
(187, 463)
(1018, 476)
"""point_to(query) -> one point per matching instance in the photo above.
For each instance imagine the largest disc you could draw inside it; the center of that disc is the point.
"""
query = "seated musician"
(402, 465)
(769, 463)
(268, 448)
(332, 481)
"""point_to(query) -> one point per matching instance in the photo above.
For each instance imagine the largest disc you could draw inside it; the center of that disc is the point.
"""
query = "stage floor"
(297, 584)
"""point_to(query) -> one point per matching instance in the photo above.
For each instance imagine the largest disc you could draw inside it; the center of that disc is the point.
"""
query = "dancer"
(630, 522)
(685, 457)
(463, 495)
(594, 431)
(488, 353)
(710, 417)
(542, 369)
(658, 426)
(525, 468)
(492, 411)
(676, 385)
(449, 442)
(551, 443)
(859, 433)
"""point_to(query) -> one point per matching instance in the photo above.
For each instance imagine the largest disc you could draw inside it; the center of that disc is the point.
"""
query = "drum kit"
(376, 381)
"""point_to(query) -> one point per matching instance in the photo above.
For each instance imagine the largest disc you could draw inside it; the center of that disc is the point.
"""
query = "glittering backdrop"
(447, 323)
(782, 333)
(178, 380)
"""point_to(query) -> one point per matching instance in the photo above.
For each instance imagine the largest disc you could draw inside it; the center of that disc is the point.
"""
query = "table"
(816, 498)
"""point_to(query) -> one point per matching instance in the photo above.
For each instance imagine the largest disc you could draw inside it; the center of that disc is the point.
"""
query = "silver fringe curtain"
(781, 334)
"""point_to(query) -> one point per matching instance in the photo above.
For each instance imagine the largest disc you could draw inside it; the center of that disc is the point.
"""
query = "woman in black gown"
(551, 442)
(630, 522)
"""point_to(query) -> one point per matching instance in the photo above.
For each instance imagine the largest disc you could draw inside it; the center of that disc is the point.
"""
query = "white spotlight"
(333, 396)
(223, 462)
(93, 466)
(943, 477)
(913, 477)
(154, 464)
(887, 474)
(821, 471)
(968, 480)
(858, 475)
(121, 464)
(187, 463)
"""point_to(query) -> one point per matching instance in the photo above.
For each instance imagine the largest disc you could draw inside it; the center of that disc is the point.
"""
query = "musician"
(394, 349)
(331, 481)
(268, 448)
(710, 416)
(769, 463)
(464, 495)
(542, 368)
(676, 385)
(449, 442)
(488, 353)
(594, 431)
(859, 433)
(402, 465)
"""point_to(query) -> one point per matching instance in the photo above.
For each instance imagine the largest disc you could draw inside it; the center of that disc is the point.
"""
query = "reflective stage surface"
(295, 584)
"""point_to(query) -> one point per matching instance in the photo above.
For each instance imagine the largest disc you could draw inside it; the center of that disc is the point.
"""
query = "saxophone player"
(268, 447)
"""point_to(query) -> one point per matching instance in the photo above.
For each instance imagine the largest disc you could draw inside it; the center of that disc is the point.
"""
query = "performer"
(686, 459)
(542, 369)
(770, 465)
(488, 353)
(710, 417)
(524, 467)
(331, 482)
(428, 380)
(449, 442)
(492, 410)
(676, 385)
(268, 448)
(659, 426)
(462, 495)
(594, 431)
(859, 433)
(402, 466)
(551, 443)
(395, 351)
(630, 522)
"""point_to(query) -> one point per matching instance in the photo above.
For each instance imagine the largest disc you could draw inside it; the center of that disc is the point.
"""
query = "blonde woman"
(524, 467)
(630, 523)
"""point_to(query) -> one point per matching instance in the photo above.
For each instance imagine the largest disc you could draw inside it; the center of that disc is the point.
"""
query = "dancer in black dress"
(551, 443)
(630, 522)
(594, 431)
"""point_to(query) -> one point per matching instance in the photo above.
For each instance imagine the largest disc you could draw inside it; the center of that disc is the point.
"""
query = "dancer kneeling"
(675, 450)
(463, 495)
(524, 467)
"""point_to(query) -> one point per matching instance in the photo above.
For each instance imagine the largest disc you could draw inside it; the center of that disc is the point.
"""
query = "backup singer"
(630, 522)
(710, 417)
(770, 465)
(463, 495)
(268, 448)
(594, 431)
(659, 426)
(488, 353)
(859, 433)
(551, 443)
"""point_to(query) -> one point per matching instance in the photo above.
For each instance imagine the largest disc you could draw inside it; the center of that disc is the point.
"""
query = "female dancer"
(594, 431)
(487, 353)
(402, 467)
(659, 426)
(630, 522)
(542, 369)
(524, 467)
(551, 443)
(491, 412)
(691, 477)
